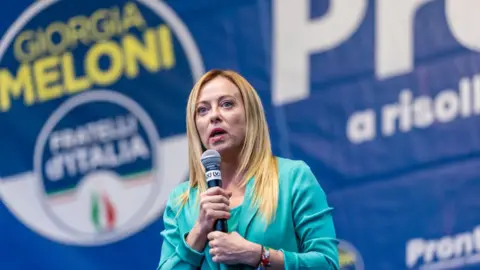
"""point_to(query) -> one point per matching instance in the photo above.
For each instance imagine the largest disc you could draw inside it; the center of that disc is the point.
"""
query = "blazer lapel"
(248, 210)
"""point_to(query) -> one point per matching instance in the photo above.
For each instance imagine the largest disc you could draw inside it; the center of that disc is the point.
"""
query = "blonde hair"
(256, 158)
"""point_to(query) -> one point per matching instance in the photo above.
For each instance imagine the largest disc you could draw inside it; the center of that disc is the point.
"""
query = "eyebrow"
(220, 98)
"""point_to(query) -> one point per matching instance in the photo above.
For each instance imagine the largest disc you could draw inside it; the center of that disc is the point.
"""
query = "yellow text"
(59, 36)
(54, 76)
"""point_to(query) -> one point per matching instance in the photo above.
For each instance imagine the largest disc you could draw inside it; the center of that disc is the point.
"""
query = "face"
(220, 116)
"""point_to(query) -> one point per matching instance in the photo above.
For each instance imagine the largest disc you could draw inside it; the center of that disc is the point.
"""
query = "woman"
(278, 216)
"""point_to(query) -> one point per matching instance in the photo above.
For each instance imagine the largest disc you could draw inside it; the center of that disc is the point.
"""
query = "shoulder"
(287, 164)
(298, 183)
(296, 174)
(179, 189)
(178, 192)
(289, 168)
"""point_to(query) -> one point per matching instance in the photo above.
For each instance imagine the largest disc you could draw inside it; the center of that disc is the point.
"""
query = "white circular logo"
(97, 180)
(101, 172)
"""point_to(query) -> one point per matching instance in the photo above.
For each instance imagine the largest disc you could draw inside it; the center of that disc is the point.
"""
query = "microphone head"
(211, 158)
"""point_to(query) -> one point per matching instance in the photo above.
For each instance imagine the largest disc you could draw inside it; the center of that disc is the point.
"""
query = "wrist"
(254, 254)
(197, 239)
(199, 231)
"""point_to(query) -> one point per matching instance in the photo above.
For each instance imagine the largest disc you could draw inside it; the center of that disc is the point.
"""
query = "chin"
(221, 148)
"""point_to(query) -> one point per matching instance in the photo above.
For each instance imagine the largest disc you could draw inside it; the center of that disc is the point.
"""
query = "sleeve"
(176, 253)
(313, 224)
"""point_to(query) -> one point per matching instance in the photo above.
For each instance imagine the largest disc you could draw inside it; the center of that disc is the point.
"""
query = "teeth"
(217, 133)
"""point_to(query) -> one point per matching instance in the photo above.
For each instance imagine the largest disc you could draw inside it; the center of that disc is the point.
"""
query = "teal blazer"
(303, 227)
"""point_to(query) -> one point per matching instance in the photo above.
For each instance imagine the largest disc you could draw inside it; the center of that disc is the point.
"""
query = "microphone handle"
(221, 224)
(214, 183)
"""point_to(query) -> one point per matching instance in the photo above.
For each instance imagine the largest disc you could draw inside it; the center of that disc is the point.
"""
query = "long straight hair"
(256, 158)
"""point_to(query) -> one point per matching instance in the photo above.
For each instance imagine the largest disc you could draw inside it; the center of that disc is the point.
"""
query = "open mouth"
(217, 132)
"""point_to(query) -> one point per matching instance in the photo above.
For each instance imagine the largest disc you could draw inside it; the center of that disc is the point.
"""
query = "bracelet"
(264, 258)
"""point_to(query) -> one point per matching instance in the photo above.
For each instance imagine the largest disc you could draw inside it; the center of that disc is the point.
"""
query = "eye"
(201, 110)
(227, 104)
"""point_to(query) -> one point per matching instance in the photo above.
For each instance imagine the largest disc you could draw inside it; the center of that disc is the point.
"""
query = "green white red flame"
(103, 213)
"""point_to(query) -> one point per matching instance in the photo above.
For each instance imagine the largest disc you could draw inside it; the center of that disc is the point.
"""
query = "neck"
(229, 169)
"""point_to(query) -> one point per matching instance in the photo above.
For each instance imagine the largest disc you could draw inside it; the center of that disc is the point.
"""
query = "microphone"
(211, 161)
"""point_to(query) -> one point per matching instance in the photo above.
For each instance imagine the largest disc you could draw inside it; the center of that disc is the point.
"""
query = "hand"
(231, 248)
(214, 205)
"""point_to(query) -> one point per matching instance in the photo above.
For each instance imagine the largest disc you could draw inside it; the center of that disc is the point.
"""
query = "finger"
(216, 206)
(216, 214)
(205, 203)
(216, 191)
(213, 191)
(216, 199)
(214, 243)
(213, 235)
(218, 258)
(213, 252)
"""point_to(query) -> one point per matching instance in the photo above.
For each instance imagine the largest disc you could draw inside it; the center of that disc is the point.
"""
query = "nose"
(215, 115)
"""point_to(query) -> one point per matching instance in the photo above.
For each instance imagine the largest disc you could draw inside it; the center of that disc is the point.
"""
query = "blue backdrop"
(381, 98)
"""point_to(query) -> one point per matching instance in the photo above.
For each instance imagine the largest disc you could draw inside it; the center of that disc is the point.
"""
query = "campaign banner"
(92, 109)
(380, 98)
